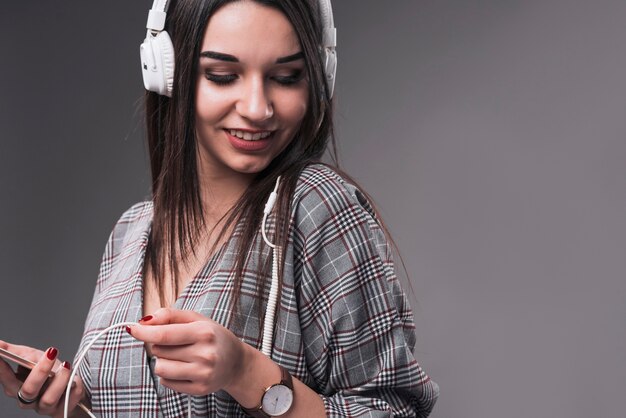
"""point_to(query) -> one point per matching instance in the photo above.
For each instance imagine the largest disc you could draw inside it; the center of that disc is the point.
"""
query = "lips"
(249, 135)
(249, 145)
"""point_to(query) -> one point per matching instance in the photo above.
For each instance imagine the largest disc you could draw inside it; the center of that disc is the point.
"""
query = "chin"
(250, 167)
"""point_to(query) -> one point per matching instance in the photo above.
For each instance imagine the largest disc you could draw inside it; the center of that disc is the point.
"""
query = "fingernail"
(146, 318)
(67, 365)
(128, 330)
(51, 353)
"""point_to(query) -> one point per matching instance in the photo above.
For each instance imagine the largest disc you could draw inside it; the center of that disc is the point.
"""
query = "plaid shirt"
(344, 326)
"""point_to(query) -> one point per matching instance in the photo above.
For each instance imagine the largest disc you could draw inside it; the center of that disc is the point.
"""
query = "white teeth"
(249, 136)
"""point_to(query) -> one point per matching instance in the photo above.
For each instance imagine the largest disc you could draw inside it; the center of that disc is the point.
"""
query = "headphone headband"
(156, 15)
(157, 51)
(329, 34)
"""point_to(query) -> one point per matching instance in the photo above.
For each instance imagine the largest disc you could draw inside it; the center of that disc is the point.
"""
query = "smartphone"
(24, 365)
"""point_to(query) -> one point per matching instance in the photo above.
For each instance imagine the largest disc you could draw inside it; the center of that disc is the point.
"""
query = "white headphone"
(157, 51)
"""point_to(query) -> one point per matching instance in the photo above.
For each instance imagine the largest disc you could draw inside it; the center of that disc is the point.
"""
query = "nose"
(254, 103)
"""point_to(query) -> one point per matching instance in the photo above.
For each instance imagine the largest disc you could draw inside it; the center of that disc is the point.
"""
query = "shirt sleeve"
(357, 326)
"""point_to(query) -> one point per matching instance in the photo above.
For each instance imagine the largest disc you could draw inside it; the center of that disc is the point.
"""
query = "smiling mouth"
(249, 136)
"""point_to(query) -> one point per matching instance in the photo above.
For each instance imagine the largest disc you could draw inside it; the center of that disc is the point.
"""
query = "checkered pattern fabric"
(344, 327)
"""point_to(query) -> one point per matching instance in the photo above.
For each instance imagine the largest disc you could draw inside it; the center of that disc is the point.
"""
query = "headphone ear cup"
(167, 59)
(157, 64)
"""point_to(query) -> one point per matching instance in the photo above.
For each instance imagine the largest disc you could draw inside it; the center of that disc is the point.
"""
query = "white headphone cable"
(79, 361)
(270, 310)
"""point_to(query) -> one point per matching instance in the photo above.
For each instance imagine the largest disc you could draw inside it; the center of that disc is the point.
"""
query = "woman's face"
(251, 93)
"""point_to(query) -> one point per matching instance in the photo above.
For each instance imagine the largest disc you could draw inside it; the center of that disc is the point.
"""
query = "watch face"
(277, 400)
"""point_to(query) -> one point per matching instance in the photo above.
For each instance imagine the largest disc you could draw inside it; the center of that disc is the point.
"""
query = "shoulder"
(321, 190)
(137, 212)
(326, 203)
(130, 230)
(137, 217)
(320, 179)
(126, 239)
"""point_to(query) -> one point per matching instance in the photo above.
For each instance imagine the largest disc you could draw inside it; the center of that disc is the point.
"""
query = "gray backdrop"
(491, 134)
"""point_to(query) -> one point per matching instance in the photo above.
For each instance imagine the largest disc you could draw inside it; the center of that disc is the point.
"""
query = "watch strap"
(257, 411)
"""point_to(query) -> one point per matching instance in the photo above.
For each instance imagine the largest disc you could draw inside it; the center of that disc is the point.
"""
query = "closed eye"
(221, 80)
(286, 80)
(293, 78)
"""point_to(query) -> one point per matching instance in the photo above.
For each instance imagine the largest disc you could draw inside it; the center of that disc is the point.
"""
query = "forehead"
(250, 30)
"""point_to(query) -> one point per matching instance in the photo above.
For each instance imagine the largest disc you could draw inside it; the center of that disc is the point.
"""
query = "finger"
(39, 375)
(166, 316)
(191, 388)
(187, 353)
(76, 395)
(179, 370)
(172, 334)
(8, 380)
(55, 391)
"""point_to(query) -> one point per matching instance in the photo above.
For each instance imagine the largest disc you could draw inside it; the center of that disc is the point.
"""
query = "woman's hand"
(49, 393)
(195, 355)
(198, 356)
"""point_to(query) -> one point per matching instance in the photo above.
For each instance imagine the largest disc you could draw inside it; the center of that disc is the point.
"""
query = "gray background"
(491, 134)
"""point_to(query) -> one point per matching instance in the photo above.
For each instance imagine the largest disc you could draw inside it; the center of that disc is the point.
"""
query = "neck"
(220, 190)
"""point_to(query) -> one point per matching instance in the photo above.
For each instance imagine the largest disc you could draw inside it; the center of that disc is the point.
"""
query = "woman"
(245, 106)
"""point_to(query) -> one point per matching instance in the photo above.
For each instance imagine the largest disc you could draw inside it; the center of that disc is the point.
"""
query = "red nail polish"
(67, 365)
(128, 330)
(146, 318)
(51, 353)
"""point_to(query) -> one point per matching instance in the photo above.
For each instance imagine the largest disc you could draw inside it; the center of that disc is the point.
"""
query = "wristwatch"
(276, 399)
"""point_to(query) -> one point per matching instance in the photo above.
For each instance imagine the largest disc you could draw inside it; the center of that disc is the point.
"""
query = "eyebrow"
(231, 58)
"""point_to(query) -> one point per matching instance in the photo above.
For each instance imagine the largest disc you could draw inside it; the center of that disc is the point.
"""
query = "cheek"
(211, 105)
(293, 108)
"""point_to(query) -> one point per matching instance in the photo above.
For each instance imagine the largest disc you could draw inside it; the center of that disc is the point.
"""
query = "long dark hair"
(178, 216)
